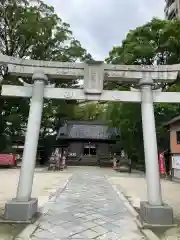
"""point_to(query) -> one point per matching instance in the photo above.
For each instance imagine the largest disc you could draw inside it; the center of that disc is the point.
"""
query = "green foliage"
(157, 42)
(90, 111)
(32, 29)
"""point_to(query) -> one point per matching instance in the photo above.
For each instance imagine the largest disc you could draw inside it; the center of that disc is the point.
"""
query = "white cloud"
(101, 24)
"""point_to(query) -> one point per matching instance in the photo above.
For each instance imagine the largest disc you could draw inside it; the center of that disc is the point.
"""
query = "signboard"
(72, 154)
(93, 78)
(162, 168)
(176, 162)
(89, 132)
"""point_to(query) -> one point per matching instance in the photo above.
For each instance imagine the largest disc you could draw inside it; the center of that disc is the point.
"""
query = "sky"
(101, 24)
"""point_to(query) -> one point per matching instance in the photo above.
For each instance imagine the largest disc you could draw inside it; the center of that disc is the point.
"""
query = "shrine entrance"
(94, 73)
(89, 149)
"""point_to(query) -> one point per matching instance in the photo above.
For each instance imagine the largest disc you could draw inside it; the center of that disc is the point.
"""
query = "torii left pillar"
(23, 207)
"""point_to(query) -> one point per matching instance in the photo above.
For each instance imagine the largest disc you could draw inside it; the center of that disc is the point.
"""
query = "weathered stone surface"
(21, 211)
(67, 70)
(156, 215)
(88, 208)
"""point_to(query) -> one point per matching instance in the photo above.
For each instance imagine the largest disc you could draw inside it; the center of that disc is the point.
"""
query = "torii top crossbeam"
(94, 73)
(68, 70)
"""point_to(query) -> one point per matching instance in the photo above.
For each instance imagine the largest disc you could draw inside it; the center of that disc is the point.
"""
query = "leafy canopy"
(32, 29)
(157, 42)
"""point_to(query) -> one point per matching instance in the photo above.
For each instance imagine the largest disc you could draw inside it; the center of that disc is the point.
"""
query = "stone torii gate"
(23, 207)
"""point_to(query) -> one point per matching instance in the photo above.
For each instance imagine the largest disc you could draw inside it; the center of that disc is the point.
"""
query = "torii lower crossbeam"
(78, 94)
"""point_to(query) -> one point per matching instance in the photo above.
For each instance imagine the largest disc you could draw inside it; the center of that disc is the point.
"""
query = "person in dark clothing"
(167, 156)
(130, 165)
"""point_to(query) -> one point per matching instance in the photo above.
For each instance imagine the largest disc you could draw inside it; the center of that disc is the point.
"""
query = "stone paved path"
(88, 208)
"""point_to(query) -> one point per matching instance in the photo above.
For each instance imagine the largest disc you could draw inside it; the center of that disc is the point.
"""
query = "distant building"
(18, 147)
(172, 9)
(174, 133)
(88, 140)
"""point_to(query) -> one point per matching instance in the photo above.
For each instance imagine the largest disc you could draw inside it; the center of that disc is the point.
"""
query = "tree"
(32, 29)
(90, 111)
(157, 42)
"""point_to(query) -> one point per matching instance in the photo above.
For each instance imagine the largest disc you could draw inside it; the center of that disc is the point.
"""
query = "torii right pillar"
(154, 212)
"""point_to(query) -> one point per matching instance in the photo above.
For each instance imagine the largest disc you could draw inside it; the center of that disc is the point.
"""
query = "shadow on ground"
(9, 231)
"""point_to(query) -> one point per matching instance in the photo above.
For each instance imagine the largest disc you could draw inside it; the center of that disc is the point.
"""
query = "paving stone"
(43, 234)
(46, 225)
(35, 238)
(88, 218)
(109, 236)
(80, 215)
(69, 225)
(90, 224)
(76, 230)
(77, 236)
(98, 216)
(60, 232)
(100, 229)
(109, 226)
(99, 221)
(90, 234)
(88, 208)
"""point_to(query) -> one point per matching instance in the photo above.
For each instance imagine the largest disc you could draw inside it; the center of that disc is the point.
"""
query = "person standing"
(130, 165)
(114, 161)
(52, 162)
(64, 157)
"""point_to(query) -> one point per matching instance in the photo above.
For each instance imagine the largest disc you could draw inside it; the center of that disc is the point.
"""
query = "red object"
(162, 168)
(7, 160)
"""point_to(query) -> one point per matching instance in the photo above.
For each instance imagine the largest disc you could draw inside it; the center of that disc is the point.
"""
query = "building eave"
(172, 121)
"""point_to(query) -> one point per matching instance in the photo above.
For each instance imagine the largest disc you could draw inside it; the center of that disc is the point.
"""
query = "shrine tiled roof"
(87, 130)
